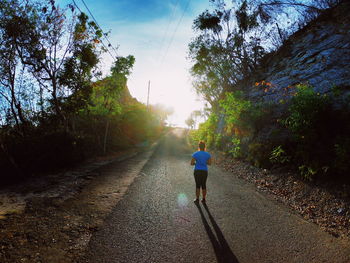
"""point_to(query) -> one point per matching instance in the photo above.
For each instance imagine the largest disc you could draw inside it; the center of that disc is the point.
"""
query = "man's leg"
(197, 180)
(204, 193)
(204, 185)
(197, 193)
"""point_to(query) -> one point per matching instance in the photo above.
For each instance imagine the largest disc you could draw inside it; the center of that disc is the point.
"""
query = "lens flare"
(182, 200)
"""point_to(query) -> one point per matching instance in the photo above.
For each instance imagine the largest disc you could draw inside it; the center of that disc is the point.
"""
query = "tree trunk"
(14, 113)
(20, 113)
(56, 105)
(41, 91)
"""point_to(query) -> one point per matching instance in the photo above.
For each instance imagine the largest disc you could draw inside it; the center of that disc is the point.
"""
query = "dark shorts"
(200, 176)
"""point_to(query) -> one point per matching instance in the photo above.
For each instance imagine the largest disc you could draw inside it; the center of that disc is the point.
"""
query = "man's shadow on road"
(222, 250)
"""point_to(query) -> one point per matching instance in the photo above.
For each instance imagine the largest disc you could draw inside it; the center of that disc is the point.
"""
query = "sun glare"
(182, 200)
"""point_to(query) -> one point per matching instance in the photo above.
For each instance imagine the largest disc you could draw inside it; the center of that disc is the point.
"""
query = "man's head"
(201, 145)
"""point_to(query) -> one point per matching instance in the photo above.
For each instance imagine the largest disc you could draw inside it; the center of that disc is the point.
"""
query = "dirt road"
(157, 221)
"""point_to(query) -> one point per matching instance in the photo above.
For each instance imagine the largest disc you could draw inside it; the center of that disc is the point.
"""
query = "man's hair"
(201, 145)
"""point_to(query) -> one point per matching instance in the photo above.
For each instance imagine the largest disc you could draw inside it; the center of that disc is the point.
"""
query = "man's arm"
(209, 161)
(193, 161)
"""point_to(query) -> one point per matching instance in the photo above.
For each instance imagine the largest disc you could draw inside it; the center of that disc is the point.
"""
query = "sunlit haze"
(157, 33)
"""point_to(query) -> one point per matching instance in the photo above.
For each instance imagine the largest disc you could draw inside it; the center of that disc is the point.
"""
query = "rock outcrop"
(319, 55)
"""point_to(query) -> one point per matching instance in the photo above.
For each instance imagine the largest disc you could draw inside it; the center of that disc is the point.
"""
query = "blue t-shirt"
(201, 158)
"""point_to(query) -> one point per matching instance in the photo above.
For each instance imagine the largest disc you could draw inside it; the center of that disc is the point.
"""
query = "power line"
(110, 44)
(177, 26)
(91, 27)
(168, 25)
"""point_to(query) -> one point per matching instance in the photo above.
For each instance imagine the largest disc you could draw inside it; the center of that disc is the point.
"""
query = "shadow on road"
(222, 250)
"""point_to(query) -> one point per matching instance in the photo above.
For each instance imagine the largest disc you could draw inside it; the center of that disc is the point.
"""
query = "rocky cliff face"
(319, 54)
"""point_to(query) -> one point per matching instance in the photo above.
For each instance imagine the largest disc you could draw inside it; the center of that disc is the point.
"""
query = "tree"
(226, 50)
(106, 94)
(161, 112)
(9, 67)
(59, 52)
(78, 69)
(232, 39)
(190, 122)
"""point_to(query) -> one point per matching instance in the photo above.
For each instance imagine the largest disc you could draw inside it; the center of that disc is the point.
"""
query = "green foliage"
(123, 66)
(279, 156)
(138, 124)
(208, 21)
(306, 112)
(219, 141)
(120, 121)
(236, 148)
(245, 20)
(190, 122)
(54, 48)
(206, 132)
(234, 105)
(258, 154)
(105, 97)
(310, 121)
(320, 133)
(315, 133)
(231, 41)
(221, 53)
(242, 117)
(307, 172)
(52, 113)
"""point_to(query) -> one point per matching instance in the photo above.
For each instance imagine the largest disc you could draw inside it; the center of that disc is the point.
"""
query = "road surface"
(157, 220)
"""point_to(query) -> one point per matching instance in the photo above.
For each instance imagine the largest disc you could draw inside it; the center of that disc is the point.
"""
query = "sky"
(157, 33)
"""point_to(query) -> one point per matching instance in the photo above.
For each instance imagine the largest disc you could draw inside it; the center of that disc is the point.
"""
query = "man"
(200, 160)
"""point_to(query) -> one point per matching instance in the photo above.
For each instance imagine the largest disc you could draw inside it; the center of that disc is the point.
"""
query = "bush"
(320, 132)
(310, 132)
(47, 148)
(279, 156)
(258, 154)
(235, 148)
(39, 152)
(206, 132)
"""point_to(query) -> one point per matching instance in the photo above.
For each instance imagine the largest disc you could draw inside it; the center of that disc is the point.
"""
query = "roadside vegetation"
(56, 107)
(305, 131)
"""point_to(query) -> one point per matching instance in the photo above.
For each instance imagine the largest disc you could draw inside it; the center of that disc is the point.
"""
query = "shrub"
(40, 152)
(310, 132)
(236, 149)
(234, 106)
(258, 154)
(206, 132)
(309, 114)
(320, 132)
(278, 155)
